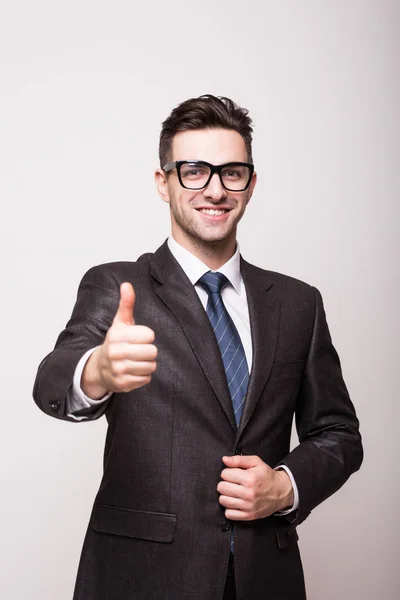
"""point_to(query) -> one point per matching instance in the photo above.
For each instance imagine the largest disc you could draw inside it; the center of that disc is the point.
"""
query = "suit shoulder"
(293, 293)
(290, 283)
(120, 269)
(283, 282)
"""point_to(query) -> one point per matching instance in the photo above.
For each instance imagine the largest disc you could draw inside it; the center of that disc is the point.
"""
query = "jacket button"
(55, 405)
(238, 451)
(225, 526)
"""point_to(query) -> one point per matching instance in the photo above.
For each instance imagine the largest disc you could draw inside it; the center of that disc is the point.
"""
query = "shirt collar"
(194, 268)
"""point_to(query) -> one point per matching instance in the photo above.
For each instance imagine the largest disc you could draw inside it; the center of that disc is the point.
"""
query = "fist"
(127, 358)
(249, 489)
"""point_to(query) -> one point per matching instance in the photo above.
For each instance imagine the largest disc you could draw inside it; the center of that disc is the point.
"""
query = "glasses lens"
(194, 176)
(235, 177)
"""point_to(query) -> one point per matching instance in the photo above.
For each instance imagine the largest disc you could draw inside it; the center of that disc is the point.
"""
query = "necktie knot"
(213, 283)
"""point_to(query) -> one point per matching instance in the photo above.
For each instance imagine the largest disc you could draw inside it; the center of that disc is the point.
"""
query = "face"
(209, 215)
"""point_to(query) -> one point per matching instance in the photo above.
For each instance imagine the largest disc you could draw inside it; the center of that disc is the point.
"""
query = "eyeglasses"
(196, 174)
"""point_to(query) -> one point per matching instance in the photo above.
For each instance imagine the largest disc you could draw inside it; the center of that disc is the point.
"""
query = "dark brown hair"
(205, 112)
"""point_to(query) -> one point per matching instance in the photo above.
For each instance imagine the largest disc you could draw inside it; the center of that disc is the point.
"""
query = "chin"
(206, 235)
(213, 237)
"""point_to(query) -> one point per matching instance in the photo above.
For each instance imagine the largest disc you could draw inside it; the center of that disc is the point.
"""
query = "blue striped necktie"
(229, 342)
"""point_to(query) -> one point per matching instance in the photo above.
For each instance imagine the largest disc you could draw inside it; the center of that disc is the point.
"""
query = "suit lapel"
(264, 311)
(176, 291)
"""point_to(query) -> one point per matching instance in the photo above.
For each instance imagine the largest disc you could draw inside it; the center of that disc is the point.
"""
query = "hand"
(250, 489)
(127, 358)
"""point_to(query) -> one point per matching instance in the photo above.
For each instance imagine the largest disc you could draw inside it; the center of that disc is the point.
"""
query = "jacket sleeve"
(96, 304)
(330, 448)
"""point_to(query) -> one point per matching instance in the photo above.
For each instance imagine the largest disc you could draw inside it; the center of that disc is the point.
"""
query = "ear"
(251, 186)
(160, 177)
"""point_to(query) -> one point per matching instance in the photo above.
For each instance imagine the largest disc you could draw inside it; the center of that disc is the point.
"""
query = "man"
(199, 361)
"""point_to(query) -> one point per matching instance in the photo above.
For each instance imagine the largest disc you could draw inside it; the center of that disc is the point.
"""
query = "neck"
(213, 254)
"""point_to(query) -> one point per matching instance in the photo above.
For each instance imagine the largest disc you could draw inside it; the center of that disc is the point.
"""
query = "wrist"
(285, 492)
(91, 383)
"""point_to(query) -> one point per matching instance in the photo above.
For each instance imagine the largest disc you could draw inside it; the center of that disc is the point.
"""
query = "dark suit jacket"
(157, 530)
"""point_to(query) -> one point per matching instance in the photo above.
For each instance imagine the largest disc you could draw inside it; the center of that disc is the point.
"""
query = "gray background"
(84, 87)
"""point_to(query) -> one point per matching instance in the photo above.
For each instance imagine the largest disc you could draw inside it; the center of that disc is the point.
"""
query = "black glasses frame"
(177, 164)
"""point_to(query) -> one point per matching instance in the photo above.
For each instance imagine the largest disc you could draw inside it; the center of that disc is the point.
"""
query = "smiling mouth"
(213, 211)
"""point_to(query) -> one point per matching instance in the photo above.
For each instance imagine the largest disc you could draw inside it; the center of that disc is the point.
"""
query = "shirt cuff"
(282, 513)
(77, 400)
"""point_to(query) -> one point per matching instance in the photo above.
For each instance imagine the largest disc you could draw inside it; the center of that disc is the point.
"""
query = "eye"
(232, 173)
(194, 172)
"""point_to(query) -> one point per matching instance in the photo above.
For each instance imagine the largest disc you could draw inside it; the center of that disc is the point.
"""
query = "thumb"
(124, 313)
(241, 461)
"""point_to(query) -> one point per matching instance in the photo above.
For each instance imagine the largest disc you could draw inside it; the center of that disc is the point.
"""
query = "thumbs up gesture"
(127, 358)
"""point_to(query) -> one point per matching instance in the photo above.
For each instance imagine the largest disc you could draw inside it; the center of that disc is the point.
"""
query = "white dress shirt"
(235, 300)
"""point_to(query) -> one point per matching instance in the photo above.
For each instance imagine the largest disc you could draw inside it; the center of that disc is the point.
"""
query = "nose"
(215, 190)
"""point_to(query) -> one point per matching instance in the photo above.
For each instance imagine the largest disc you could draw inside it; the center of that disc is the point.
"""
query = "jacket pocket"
(145, 525)
(287, 369)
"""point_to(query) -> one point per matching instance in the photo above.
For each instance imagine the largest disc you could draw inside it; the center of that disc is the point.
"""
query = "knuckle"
(120, 382)
(248, 495)
(117, 369)
(112, 334)
(251, 496)
(250, 479)
(144, 334)
(113, 371)
(246, 507)
(112, 352)
(134, 369)
(151, 335)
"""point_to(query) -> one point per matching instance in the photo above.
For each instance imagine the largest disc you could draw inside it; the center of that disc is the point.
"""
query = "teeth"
(212, 211)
